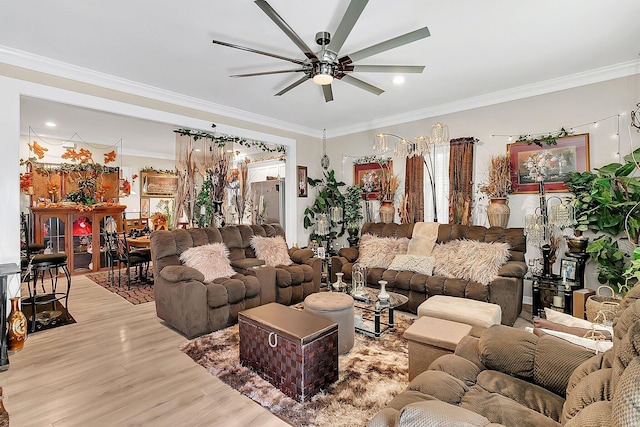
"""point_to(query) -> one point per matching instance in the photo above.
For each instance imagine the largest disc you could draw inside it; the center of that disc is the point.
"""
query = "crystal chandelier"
(380, 143)
(439, 133)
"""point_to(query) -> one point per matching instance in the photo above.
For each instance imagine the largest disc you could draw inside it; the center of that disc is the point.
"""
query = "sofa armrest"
(351, 253)
(468, 348)
(515, 269)
(300, 256)
(180, 273)
(267, 277)
(440, 414)
(316, 265)
(507, 293)
(337, 262)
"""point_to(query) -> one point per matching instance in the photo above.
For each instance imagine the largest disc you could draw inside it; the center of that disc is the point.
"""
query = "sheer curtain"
(439, 162)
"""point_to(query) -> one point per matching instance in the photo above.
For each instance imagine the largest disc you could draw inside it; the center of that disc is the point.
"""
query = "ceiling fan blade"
(271, 13)
(328, 93)
(264, 73)
(388, 68)
(362, 85)
(346, 24)
(386, 45)
(248, 49)
(292, 85)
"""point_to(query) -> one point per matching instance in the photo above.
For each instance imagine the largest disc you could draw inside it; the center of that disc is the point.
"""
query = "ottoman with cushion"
(480, 315)
(429, 338)
(338, 308)
(294, 350)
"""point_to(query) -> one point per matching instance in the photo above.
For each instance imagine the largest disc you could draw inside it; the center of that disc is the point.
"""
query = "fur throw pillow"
(211, 260)
(273, 250)
(415, 263)
(378, 252)
(470, 259)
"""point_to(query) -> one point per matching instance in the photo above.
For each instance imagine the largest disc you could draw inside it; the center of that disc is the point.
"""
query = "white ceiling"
(476, 49)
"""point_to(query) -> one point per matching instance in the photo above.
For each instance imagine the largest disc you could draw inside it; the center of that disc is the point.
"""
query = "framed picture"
(158, 184)
(570, 266)
(369, 176)
(302, 181)
(571, 154)
(144, 207)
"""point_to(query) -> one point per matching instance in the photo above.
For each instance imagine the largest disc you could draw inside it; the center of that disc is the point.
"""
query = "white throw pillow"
(593, 345)
(569, 320)
(273, 250)
(470, 259)
(415, 263)
(378, 252)
(211, 260)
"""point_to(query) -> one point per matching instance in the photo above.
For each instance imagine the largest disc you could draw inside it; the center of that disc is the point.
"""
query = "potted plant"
(353, 212)
(604, 202)
(497, 189)
(329, 196)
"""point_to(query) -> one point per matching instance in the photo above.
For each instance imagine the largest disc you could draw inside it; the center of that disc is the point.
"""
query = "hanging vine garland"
(222, 140)
(549, 139)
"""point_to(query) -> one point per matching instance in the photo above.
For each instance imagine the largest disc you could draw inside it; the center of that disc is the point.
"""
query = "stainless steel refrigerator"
(267, 199)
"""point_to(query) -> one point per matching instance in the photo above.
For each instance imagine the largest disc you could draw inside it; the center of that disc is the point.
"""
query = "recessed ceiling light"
(398, 80)
(197, 150)
(50, 124)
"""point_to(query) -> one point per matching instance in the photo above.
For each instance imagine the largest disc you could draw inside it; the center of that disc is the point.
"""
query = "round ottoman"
(338, 308)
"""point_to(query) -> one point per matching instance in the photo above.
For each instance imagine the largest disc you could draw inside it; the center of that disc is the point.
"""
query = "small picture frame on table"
(570, 266)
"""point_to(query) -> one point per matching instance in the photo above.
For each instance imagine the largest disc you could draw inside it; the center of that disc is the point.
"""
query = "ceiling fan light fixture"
(324, 76)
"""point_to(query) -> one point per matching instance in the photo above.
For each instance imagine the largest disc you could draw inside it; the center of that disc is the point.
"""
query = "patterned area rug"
(371, 374)
(139, 293)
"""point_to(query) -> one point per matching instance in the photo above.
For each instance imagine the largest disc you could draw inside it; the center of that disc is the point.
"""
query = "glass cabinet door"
(53, 235)
(82, 243)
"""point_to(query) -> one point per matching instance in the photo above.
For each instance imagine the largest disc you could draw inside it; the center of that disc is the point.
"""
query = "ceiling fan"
(324, 66)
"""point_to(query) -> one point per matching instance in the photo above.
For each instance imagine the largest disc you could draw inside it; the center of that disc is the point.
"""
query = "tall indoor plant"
(497, 189)
(605, 202)
(353, 212)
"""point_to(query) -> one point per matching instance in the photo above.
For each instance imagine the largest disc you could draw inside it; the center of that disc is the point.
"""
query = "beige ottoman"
(429, 338)
(480, 315)
(337, 307)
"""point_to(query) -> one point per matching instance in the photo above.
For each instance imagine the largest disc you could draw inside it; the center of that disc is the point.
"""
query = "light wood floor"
(119, 365)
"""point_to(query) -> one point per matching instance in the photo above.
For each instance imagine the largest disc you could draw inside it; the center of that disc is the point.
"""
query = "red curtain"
(461, 180)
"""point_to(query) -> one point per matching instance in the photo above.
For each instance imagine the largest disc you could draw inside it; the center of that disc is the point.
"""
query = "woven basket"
(601, 308)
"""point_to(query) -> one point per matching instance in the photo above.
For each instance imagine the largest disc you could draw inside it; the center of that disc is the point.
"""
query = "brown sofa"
(506, 290)
(193, 307)
(514, 378)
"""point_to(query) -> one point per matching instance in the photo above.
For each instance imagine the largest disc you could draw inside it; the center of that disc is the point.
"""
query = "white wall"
(544, 113)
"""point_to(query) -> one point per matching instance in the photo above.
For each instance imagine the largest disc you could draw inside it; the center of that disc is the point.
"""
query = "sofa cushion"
(211, 260)
(508, 350)
(179, 273)
(470, 259)
(273, 250)
(626, 399)
(595, 387)
(378, 252)
(415, 263)
(433, 413)
(247, 263)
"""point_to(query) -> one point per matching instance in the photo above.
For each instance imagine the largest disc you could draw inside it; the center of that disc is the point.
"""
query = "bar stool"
(39, 265)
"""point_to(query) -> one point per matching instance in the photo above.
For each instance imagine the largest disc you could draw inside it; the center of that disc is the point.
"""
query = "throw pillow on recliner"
(273, 250)
(212, 260)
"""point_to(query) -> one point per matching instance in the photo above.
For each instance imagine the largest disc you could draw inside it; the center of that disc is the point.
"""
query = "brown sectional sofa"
(514, 378)
(506, 290)
(193, 307)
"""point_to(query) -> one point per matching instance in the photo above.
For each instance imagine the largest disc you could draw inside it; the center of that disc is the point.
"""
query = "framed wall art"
(554, 162)
(302, 181)
(158, 184)
(369, 177)
(145, 207)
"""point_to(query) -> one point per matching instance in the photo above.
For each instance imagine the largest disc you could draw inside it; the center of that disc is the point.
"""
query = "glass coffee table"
(369, 303)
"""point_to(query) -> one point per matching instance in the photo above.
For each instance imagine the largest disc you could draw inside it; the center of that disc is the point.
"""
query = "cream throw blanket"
(423, 239)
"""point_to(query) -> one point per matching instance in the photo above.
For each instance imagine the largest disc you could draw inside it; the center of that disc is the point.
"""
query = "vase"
(17, 327)
(498, 212)
(339, 285)
(383, 295)
(387, 211)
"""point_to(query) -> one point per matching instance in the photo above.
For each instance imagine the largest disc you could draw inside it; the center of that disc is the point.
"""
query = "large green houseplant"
(606, 203)
(329, 196)
(353, 212)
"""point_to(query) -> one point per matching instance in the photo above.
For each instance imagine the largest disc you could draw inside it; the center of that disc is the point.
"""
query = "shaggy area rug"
(371, 374)
(139, 293)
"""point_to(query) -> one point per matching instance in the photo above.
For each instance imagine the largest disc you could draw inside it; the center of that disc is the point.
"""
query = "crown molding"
(50, 66)
(53, 67)
(597, 75)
